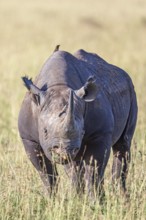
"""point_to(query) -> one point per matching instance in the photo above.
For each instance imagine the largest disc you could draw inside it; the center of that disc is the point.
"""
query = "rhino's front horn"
(70, 119)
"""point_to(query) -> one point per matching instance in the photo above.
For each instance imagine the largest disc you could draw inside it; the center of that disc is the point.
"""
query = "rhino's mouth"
(63, 152)
(61, 158)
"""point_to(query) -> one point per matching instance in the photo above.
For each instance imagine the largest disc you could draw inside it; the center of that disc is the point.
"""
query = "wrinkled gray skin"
(78, 108)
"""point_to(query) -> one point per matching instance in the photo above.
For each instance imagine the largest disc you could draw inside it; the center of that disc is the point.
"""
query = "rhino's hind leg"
(121, 159)
(47, 172)
(121, 149)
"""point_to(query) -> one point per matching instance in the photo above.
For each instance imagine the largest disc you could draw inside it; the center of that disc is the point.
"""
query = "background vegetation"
(29, 32)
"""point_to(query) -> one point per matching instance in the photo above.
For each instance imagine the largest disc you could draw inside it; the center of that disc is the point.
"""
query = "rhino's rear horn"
(38, 95)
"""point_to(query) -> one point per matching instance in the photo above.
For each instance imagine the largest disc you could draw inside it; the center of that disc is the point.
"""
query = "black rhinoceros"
(77, 109)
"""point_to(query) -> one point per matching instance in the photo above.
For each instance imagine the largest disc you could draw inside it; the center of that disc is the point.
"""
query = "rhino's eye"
(83, 132)
(45, 130)
(63, 110)
(61, 113)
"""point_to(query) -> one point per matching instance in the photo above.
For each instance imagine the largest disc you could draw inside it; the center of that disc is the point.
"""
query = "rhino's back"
(110, 78)
(73, 71)
(116, 85)
(114, 82)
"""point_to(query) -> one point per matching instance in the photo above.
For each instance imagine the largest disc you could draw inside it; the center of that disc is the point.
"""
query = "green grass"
(29, 32)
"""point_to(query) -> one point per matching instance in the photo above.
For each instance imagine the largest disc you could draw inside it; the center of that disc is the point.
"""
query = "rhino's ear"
(37, 94)
(89, 91)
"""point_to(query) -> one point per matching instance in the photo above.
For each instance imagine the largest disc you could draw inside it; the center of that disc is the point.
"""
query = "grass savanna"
(29, 32)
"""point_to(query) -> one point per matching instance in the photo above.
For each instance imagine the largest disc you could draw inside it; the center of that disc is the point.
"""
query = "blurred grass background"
(29, 32)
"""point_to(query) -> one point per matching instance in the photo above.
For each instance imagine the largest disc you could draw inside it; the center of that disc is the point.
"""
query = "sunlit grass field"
(29, 32)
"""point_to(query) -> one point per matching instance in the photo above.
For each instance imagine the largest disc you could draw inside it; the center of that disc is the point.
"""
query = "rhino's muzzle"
(66, 154)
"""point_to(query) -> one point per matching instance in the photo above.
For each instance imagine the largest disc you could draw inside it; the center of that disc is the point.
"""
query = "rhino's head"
(61, 118)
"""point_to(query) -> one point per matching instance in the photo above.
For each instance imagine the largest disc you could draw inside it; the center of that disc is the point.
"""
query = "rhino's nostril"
(54, 148)
(76, 150)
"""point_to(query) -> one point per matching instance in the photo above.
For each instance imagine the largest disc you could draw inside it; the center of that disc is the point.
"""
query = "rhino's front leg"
(47, 171)
(75, 171)
(94, 181)
(95, 163)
